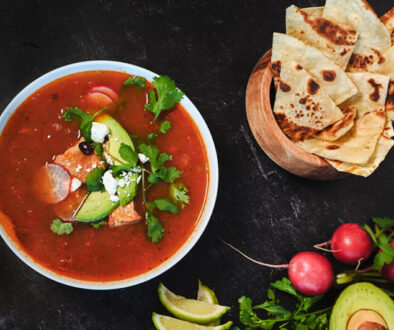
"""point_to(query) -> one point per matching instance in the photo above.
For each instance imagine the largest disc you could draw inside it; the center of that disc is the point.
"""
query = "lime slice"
(190, 309)
(207, 294)
(162, 322)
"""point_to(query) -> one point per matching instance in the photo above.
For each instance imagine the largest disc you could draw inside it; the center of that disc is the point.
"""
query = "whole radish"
(350, 244)
(387, 270)
(309, 272)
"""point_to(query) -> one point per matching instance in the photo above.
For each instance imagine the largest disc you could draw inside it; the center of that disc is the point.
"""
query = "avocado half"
(362, 306)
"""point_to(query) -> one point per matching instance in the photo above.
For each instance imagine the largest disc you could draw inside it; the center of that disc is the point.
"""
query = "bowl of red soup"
(109, 174)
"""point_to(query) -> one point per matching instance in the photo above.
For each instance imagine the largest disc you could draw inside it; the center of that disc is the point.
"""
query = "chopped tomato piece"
(124, 215)
(77, 163)
(67, 209)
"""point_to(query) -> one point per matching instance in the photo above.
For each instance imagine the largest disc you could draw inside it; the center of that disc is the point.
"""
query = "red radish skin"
(110, 92)
(387, 271)
(99, 97)
(350, 244)
(311, 273)
(52, 183)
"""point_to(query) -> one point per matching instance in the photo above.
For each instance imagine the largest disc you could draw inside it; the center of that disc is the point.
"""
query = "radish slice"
(98, 100)
(52, 183)
(107, 91)
(67, 209)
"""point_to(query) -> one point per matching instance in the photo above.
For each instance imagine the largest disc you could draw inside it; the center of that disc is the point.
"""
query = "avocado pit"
(366, 320)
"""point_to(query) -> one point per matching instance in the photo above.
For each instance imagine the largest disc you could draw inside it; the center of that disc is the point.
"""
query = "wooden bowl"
(269, 135)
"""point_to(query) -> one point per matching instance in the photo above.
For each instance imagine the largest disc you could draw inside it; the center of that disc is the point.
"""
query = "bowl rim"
(210, 198)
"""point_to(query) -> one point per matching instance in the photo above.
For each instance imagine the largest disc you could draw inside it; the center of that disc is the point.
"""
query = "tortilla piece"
(302, 108)
(383, 146)
(359, 143)
(374, 38)
(340, 128)
(334, 40)
(330, 76)
(388, 21)
(315, 11)
(387, 67)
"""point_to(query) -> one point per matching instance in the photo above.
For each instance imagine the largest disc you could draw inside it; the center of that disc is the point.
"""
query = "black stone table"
(209, 48)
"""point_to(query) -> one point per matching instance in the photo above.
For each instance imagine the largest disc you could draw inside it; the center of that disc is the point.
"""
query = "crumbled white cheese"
(110, 183)
(75, 184)
(99, 132)
(108, 158)
(121, 183)
(79, 168)
(114, 198)
(88, 170)
(143, 158)
(116, 139)
(94, 165)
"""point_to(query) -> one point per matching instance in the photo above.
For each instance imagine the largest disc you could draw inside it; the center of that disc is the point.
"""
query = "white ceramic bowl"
(211, 192)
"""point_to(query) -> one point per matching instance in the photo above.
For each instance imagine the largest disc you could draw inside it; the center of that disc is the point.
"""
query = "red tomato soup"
(37, 132)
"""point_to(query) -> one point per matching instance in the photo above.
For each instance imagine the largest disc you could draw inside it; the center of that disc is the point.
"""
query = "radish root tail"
(320, 247)
(254, 260)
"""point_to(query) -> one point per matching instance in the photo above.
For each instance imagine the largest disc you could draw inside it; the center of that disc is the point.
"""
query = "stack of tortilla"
(334, 74)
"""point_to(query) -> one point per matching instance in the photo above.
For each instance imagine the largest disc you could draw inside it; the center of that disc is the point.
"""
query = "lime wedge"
(207, 294)
(190, 309)
(162, 322)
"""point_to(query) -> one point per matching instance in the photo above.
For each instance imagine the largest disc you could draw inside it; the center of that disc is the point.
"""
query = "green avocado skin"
(98, 205)
(361, 296)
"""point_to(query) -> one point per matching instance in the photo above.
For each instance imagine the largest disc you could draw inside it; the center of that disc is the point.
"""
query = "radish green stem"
(254, 260)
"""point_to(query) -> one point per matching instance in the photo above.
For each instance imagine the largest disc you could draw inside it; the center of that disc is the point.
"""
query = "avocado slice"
(362, 304)
(117, 136)
(98, 205)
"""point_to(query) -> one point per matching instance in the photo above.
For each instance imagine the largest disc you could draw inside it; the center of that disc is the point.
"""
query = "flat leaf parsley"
(167, 95)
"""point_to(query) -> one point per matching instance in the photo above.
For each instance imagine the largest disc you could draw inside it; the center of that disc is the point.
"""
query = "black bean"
(86, 148)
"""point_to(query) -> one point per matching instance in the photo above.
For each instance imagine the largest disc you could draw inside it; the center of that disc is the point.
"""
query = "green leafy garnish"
(166, 205)
(178, 192)
(85, 118)
(155, 229)
(93, 180)
(165, 126)
(157, 160)
(117, 169)
(277, 315)
(134, 81)
(167, 95)
(152, 136)
(99, 224)
(128, 154)
(382, 237)
(59, 227)
(99, 151)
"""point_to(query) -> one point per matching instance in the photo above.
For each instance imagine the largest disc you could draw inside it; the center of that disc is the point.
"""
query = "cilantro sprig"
(179, 194)
(277, 315)
(94, 180)
(382, 235)
(167, 95)
(61, 228)
(157, 160)
(134, 81)
(85, 119)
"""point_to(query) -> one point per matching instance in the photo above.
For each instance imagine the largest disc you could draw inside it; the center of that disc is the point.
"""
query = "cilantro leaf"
(93, 180)
(99, 224)
(134, 81)
(152, 136)
(273, 309)
(179, 194)
(155, 229)
(167, 95)
(285, 285)
(166, 205)
(60, 228)
(168, 175)
(386, 256)
(85, 119)
(165, 126)
(99, 151)
(384, 223)
(128, 154)
(116, 169)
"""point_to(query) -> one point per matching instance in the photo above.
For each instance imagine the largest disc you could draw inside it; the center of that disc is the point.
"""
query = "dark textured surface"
(209, 48)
